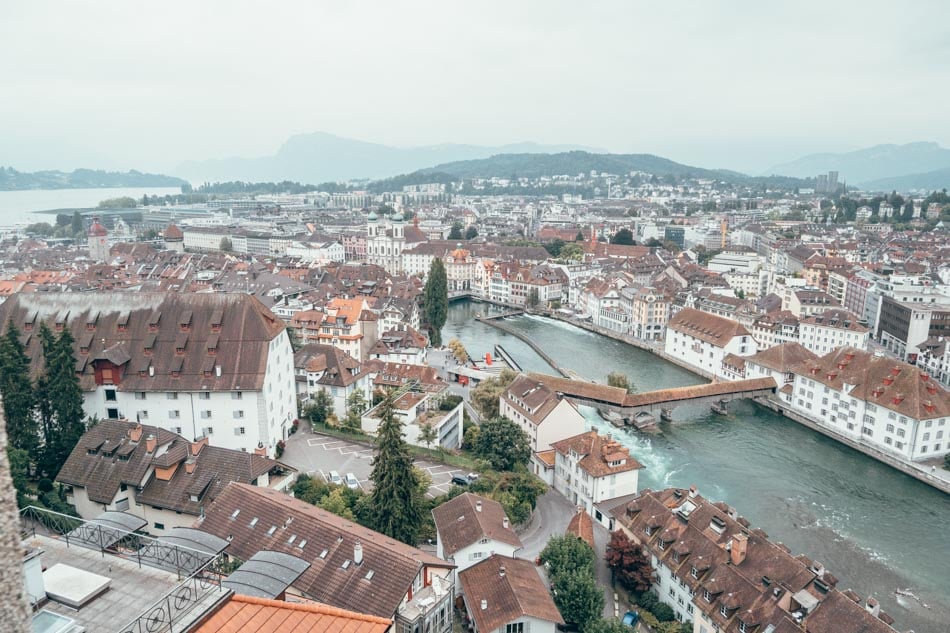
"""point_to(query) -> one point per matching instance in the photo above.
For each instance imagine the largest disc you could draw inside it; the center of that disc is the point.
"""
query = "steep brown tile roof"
(531, 397)
(597, 453)
(882, 381)
(123, 322)
(259, 615)
(326, 541)
(467, 519)
(340, 369)
(706, 327)
(836, 318)
(782, 357)
(511, 589)
(582, 527)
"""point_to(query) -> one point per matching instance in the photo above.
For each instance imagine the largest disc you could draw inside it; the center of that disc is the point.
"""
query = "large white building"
(826, 332)
(876, 401)
(470, 528)
(199, 365)
(541, 413)
(590, 468)
(702, 340)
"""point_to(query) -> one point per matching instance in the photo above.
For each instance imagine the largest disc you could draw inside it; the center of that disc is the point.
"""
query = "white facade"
(822, 338)
(869, 424)
(564, 420)
(703, 355)
(584, 489)
(240, 420)
(320, 253)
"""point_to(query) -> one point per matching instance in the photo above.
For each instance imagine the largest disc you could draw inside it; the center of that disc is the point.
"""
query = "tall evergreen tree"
(59, 400)
(395, 506)
(436, 297)
(18, 403)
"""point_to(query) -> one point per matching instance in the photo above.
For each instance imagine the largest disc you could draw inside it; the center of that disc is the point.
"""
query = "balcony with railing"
(104, 577)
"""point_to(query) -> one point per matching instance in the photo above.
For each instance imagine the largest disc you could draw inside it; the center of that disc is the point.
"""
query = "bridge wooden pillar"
(666, 415)
(720, 407)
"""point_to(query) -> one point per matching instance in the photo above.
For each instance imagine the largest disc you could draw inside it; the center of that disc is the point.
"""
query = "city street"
(316, 455)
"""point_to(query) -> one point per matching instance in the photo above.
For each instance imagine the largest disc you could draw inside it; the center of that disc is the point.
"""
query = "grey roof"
(194, 539)
(267, 574)
(106, 530)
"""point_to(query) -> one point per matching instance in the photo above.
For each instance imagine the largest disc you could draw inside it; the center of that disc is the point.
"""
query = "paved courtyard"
(316, 455)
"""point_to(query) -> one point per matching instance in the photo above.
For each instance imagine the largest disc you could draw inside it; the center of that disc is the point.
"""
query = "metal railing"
(175, 611)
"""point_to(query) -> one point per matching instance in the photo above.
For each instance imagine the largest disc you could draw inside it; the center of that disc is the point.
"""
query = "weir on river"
(876, 529)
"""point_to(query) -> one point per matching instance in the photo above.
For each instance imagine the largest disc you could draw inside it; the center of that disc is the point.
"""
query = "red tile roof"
(247, 614)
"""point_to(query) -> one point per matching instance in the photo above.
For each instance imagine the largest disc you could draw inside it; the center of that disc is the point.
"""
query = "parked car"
(459, 480)
(335, 478)
(472, 477)
(352, 481)
(630, 619)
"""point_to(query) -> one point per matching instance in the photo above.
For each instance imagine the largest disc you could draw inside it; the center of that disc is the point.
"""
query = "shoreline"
(919, 473)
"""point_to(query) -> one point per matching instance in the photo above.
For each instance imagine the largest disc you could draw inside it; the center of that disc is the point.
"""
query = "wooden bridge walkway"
(628, 405)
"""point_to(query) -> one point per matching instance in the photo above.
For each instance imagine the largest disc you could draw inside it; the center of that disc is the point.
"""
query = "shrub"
(648, 600)
(664, 612)
(45, 485)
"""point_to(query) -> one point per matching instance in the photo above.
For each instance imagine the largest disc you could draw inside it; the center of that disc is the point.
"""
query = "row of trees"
(570, 566)
(457, 233)
(44, 418)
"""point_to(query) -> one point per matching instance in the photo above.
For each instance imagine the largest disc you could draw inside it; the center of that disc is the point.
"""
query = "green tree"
(225, 245)
(124, 202)
(503, 444)
(554, 247)
(319, 408)
(58, 400)
(572, 252)
(355, 407)
(18, 403)
(470, 439)
(336, 502)
(485, 396)
(428, 434)
(532, 299)
(579, 237)
(578, 598)
(436, 297)
(607, 625)
(623, 236)
(664, 612)
(395, 506)
(456, 232)
(471, 232)
(629, 564)
(620, 380)
(567, 555)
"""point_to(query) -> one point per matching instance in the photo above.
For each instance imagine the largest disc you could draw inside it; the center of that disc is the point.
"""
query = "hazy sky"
(719, 84)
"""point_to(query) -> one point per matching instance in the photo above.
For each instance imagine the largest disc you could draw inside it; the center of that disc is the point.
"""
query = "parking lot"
(316, 455)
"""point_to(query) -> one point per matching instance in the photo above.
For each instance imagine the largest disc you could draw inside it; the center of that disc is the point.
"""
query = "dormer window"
(742, 627)
(661, 544)
(617, 462)
(724, 611)
(648, 530)
(707, 596)
(153, 321)
(184, 323)
(694, 572)
(216, 318)
(676, 557)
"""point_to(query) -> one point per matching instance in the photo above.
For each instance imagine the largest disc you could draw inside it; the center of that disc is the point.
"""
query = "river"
(874, 528)
(21, 207)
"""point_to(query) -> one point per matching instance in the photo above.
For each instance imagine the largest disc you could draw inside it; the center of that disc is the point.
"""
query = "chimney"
(501, 571)
(190, 466)
(197, 445)
(740, 543)
(478, 505)
(135, 432)
(505, 523)
(151, 370)
(358, 553)
(692, 492)
(217, 370)
(873, 607)
(260, 450)
(150, 443)
(484, 604)
(732, 513)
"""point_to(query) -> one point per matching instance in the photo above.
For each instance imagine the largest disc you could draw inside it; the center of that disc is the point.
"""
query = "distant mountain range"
(885, 167)
(13, 180)
(322, 157)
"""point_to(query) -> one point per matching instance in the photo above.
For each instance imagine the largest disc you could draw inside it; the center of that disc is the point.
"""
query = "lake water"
(874, 528)
(20, 207)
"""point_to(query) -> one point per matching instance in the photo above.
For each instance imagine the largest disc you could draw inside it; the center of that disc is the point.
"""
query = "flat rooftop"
(133, 589)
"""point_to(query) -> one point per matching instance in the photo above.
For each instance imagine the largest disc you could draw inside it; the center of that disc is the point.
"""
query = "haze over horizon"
(116, 85)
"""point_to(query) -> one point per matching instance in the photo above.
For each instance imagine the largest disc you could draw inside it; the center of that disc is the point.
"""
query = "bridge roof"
(620, 398)
(582, 389)
(697, 391)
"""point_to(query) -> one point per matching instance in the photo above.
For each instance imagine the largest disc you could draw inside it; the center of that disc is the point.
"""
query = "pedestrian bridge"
(631, 405)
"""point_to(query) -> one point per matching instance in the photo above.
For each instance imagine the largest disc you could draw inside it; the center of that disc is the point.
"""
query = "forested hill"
(13, 180)
(574, 163)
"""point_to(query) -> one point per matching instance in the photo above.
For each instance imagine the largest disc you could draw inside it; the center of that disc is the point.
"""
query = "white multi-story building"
(544, 415)
(320, 252)
(881, 403)
(590, 468)
(209, 365)
(702, 340)
(825, 332)
(470, 528)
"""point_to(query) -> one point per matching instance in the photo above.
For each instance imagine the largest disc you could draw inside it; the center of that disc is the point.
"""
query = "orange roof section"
(247, 614)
